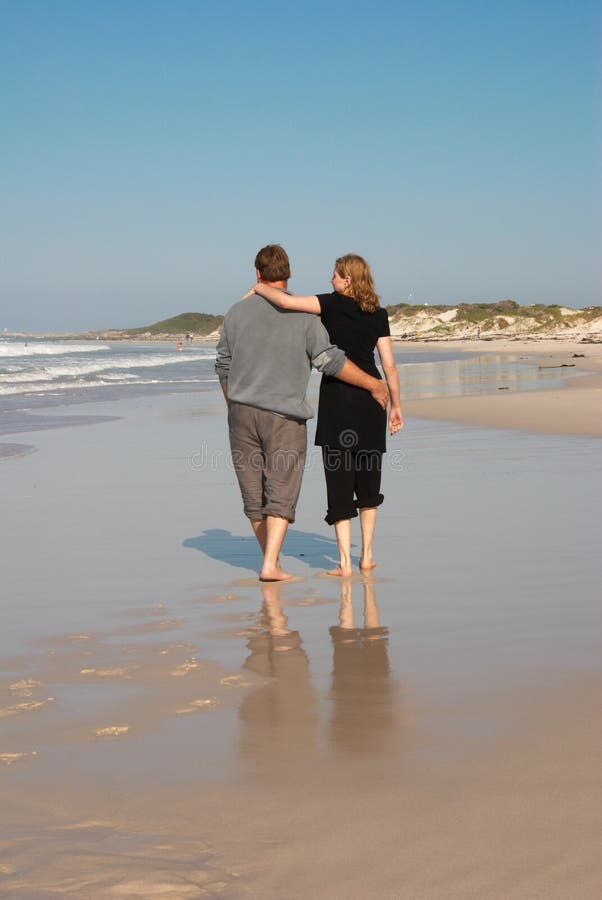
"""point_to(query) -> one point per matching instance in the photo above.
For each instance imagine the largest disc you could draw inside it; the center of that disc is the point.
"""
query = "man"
(264, 360)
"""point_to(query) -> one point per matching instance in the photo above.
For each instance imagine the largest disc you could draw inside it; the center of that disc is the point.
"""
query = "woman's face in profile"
(339, 283)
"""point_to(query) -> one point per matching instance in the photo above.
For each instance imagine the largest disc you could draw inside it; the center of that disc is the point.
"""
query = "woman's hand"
(395, 419)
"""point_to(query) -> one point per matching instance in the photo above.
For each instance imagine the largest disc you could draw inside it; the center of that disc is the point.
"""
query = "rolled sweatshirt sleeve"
(325, 357)
(223, 355)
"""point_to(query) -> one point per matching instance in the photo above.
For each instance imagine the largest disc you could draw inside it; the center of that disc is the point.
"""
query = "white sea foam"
(119, 376)
(50, 349)
(53, 368)
(78, 368)
(55, 388)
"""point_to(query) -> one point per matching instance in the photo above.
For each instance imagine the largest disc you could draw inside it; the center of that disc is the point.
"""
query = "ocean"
(42, 372)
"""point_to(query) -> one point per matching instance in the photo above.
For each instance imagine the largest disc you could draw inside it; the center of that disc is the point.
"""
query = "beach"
(574, 411)
(171, 728)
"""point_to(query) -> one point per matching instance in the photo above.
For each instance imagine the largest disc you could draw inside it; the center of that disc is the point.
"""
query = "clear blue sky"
(150, 148)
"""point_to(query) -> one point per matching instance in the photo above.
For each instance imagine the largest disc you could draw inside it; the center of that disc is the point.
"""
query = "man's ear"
(257, 274)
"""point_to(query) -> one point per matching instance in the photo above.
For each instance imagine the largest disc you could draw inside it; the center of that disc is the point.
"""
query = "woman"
(351, 424)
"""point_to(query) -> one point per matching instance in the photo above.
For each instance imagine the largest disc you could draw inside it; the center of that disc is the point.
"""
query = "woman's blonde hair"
(361, 288)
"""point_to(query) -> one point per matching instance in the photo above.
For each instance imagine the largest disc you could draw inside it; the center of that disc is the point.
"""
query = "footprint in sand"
(8, 759)
(198, 706)
(111, 731)
(28, 706)
(144, 887)
(25, 687)
(178, 645)
(189, 665)
(235, 681)
(118, 672)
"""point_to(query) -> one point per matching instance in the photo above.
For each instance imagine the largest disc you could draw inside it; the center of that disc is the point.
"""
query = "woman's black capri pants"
(351, 474)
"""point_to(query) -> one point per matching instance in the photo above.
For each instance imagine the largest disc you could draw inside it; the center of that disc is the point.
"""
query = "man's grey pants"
(268, 453)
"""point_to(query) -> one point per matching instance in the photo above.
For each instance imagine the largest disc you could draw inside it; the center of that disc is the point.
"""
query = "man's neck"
(277, 284)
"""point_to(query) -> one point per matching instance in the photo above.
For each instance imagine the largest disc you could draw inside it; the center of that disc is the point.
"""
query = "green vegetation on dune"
(470, 312)
(590, 312)
(195, 323)
(479, 313)
(408, 309)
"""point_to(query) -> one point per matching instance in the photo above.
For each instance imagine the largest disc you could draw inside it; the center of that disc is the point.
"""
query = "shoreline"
(94, 338)
(507, 344)
(574, 409)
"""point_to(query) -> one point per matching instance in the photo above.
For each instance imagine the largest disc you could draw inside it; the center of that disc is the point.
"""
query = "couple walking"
(268, 344)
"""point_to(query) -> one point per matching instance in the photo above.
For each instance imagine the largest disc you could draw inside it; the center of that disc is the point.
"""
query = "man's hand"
(380, 392)
(352, 374)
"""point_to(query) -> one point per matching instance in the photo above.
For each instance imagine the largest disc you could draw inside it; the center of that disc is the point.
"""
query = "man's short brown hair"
(273, 264)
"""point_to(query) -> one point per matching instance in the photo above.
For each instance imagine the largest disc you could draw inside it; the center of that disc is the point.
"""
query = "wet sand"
(171, 728)
(577, 410)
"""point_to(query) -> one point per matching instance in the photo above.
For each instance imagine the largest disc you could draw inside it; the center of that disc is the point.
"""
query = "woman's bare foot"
(339, 572)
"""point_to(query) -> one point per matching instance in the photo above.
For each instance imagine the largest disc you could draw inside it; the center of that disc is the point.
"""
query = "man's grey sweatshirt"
(265, 355)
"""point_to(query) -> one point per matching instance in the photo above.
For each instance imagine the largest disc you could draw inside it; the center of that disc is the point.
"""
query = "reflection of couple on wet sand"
(267, 347)
(282, 718)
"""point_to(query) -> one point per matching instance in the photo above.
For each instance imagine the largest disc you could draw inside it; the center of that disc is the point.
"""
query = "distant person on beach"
(264, 359)
(351, 427)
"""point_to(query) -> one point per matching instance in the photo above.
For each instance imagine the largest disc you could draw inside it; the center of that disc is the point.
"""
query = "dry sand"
(170, 728)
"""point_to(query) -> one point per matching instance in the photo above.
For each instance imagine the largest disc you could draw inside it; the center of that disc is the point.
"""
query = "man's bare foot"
(339, 572)
(274, 575)
(367, 566)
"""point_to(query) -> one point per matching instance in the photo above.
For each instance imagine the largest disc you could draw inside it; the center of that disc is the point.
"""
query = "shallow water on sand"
(151, 688)
(486, 544)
